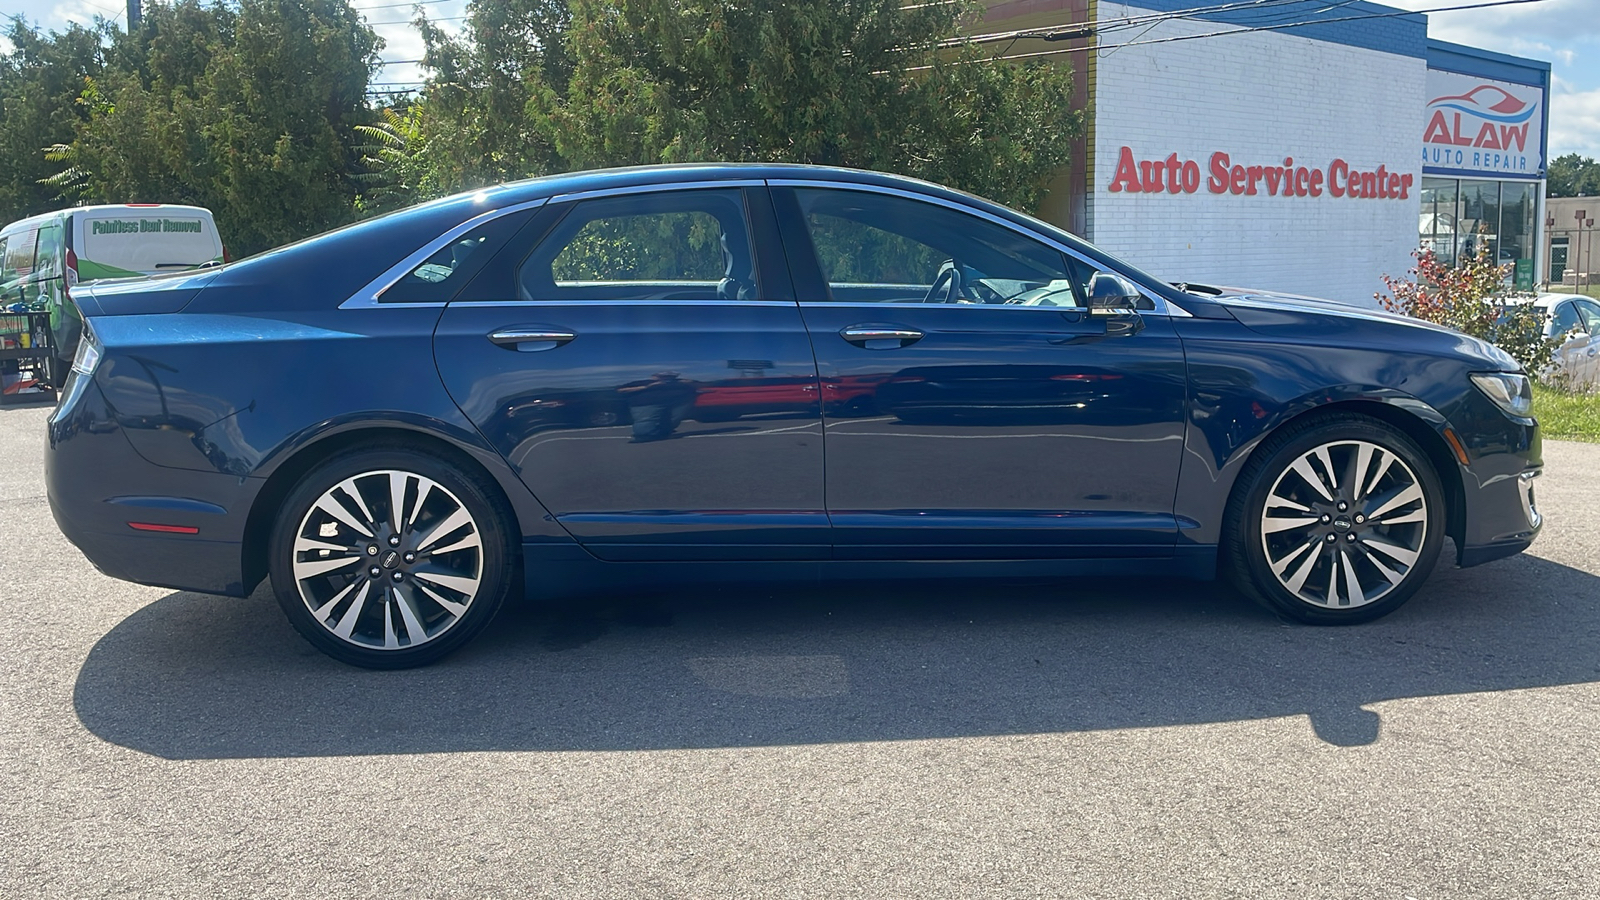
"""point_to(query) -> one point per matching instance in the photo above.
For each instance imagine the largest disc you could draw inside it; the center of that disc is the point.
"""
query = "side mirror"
(1110, 294)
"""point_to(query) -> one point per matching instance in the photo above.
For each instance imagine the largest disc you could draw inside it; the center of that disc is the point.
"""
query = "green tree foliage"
(475, 111)
(1573, 175)
(397, 161)
(863, 83)
(257, 109)
(1469, 297)
(248, 110)
(41, 79)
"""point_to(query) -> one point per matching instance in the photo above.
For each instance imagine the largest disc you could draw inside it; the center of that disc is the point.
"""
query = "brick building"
(1305, 158)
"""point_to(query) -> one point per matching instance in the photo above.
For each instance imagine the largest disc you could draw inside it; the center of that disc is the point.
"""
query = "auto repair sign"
(1479, 125)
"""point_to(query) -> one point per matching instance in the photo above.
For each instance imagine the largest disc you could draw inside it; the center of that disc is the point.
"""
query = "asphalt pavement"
(1106, 738)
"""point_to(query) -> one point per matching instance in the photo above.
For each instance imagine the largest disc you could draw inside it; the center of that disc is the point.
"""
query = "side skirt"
(566, 570)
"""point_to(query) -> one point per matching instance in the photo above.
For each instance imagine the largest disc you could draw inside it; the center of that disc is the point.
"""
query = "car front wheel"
(389, 558)
(1339, 521)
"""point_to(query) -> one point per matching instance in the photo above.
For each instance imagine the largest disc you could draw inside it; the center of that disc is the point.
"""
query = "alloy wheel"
(1344, 524)
(388, 560)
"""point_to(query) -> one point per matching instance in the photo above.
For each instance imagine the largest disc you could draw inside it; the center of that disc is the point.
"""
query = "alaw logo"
(1488, 117)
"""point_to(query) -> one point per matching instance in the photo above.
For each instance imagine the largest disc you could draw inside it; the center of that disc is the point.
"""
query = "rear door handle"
(529, 338)
(881, 337)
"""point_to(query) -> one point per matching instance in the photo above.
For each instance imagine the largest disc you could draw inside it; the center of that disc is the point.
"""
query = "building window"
(1460, 215)
(1479, 219)
(1437, 227)
(1517, 234)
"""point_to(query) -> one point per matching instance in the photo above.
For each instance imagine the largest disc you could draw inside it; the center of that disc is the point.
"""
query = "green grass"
(1567, 417)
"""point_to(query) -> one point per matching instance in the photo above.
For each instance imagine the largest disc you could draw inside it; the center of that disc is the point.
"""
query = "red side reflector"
(169, 529)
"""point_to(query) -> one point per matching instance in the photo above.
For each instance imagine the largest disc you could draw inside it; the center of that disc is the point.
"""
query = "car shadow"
(193, 676)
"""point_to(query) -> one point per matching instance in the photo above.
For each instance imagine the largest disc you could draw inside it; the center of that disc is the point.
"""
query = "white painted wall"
(1258, 97)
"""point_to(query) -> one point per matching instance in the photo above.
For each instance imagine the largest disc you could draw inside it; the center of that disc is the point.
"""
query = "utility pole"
(134, 14)
(1581, 279)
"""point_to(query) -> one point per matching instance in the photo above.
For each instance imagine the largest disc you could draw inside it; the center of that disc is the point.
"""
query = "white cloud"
(1574, 121)
(1565, 33)
(1556, 21)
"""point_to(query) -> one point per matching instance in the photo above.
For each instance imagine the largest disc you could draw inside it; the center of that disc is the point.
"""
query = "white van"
(43, 256)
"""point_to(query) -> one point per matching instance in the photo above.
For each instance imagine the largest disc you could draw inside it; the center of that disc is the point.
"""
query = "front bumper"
(1509, 503)
(97, 484)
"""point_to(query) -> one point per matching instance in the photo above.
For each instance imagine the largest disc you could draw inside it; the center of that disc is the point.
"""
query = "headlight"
(88, 355)
(1511, 391)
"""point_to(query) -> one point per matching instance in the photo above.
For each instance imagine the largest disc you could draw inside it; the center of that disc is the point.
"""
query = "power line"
(1121, 22)
(1094, 29)
(398, 5)
(409, 21)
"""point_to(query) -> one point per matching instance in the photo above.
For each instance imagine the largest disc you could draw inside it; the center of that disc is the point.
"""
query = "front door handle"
(531, 338)
(881, 337)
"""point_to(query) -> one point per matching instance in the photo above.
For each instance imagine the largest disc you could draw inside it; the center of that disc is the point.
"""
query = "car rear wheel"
(1339, 521)
(389, 558)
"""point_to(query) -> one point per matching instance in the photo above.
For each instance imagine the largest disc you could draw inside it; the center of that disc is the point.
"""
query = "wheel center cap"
(390, 559)
(1342, 523)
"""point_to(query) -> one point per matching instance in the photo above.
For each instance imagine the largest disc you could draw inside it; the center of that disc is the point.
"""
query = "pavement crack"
(22, 501)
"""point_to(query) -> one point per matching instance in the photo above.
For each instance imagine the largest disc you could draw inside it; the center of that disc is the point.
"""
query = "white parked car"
(1574, 320)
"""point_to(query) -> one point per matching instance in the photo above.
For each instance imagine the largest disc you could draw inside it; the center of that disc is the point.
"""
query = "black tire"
(1244, 558)
(406, 573)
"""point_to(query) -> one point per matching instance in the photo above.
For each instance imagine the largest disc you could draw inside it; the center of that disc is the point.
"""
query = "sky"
(1566, 33)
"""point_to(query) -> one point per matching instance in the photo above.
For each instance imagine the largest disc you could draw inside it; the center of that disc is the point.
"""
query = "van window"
(121, 245)
(47, 258)
(19, 255)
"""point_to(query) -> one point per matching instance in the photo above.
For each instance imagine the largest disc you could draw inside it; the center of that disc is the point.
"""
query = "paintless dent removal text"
(137, 226)
(1178, 176)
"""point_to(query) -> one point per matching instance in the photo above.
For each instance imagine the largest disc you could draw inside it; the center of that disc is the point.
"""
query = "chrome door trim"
(880, 333)
(370, 295)
(514, 336)
(1162, 307)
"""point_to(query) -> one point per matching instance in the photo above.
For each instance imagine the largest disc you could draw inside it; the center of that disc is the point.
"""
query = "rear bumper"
(97, 484)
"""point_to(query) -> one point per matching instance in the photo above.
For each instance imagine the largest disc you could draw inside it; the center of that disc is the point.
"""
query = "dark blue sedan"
(659, 375)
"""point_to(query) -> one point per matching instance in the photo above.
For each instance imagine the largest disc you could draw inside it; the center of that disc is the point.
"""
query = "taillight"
(72, 271)
(87, 359)
(226, 256)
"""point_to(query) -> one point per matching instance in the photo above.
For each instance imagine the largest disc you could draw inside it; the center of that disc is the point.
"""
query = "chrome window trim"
(656, 188)
(1162, 307)
(891, 304)
(592, 303)
(369, 297)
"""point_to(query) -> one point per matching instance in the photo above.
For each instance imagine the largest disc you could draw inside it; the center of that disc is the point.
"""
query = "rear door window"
(672, 245)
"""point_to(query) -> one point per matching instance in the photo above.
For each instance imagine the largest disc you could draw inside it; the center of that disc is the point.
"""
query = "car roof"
(630, 176)
(1549, 300)
(121, 209)
(566, 184)
(132, 209)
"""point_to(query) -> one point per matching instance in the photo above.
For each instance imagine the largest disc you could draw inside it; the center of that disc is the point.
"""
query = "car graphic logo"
(1488, 102)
